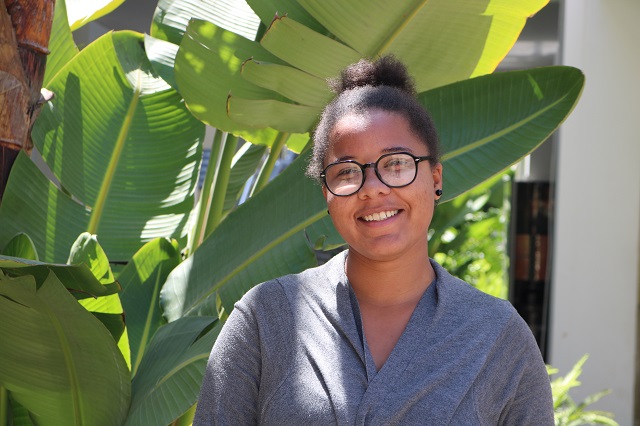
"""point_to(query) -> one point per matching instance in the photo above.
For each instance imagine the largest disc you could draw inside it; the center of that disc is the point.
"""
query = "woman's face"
(378, 222)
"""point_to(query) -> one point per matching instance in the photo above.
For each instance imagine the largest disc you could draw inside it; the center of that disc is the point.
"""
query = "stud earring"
(439, 192)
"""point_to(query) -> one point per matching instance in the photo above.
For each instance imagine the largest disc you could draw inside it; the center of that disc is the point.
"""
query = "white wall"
(597, 229)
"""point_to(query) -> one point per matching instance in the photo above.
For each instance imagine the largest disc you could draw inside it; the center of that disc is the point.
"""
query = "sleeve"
(517, 388)
(229, 392)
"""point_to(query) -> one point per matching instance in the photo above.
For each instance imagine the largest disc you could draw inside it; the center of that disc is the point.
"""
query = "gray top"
(293, 353)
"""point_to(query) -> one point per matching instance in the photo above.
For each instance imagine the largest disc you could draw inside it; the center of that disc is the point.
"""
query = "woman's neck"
(389, 283)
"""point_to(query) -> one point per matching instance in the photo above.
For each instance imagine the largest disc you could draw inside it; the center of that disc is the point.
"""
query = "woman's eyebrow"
(384, 151)
(397, 149)
(345, 158)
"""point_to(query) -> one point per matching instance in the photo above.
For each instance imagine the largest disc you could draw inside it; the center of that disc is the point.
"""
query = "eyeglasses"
(397, 169)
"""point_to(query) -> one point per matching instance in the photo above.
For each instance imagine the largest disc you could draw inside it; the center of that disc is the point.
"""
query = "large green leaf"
(58, 361)
(162, 56)
(141, 280)
(61, 44)
(87, 251)
(294, 84)
(172, 16)
(262, 239)
(322, 235)
(286, 117)
(441, 41)
(78, 278)
(125, 151)
(21, 246)
(489, 123)
(211, 50)
(170, 375)
(237, 25)
(208, 68)
(311, 52)
(81, 12)
(39, 211)
(502, 118)
(170, 21)
(267, 10)
(19, 415)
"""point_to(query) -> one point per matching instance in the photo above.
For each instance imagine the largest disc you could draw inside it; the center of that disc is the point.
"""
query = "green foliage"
(313, 40)
(123, 139)
(124, 150)
(56, 349)
(469, 236)
(54, 352)
(257, 233)
(567, 412)
(141, 281)
(168, 381)
(21, 246)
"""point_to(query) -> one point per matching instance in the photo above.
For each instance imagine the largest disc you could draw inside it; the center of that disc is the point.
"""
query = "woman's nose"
(372, 184)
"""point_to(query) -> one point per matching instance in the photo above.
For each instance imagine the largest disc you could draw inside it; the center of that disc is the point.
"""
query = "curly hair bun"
(385, 71)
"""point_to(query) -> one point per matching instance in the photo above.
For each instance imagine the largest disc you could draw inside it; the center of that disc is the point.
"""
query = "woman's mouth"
(376, 217)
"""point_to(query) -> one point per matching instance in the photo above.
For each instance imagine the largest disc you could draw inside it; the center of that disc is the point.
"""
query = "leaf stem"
(206, 195)
(147, 324)
(77, 399)
(101, 198)
(299, 227)
(229, 145)
(4, 406)
(407, 19)
(274, 153)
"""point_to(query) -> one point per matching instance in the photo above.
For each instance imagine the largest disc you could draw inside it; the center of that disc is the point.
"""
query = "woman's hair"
(384, 85)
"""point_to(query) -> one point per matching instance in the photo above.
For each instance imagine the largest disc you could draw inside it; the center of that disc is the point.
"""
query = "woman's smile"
(377, 217)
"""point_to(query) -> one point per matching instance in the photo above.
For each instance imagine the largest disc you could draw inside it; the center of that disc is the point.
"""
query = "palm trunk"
(25, 28)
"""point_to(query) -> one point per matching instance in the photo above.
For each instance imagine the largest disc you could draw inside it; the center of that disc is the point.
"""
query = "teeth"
(380, 216)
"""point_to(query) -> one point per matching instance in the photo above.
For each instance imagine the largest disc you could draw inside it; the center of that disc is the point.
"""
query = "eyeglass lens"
(394, 170)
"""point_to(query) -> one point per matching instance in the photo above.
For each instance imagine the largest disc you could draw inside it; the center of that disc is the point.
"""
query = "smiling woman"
(381, 334)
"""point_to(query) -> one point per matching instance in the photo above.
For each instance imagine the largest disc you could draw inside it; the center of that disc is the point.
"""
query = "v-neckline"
(422, 314)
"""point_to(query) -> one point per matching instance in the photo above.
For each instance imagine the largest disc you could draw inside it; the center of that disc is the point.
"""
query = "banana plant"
(63, 332)
(123, 149)
(468, 235)
(277, 82)
(123, 136)
(506, 131)
(53, 350)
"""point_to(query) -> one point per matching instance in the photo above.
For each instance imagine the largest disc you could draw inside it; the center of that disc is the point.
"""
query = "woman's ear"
(436, 174)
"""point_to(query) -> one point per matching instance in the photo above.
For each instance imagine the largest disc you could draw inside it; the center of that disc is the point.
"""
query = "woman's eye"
(348, 172)
(396, 163)
(348, 175)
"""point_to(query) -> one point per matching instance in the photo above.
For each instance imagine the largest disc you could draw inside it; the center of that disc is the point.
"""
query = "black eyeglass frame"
(363, 167)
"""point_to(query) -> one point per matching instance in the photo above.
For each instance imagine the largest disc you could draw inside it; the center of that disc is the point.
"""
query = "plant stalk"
(274, 153)
(206, 195)
(107, 181)
(4, 406)
(220, 184)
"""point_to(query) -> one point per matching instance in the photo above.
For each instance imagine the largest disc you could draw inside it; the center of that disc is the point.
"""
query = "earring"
(328, 212)
(439, 192)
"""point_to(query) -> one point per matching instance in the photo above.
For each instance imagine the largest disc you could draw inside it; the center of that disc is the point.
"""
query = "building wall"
(597, 228)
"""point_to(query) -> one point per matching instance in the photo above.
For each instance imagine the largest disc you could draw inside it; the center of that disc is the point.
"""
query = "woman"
(380, 334)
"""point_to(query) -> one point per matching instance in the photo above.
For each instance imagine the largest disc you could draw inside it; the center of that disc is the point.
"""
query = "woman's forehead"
(360, 122)
(366, 136)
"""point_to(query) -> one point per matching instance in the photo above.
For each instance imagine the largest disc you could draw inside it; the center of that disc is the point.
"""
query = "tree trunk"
(25, 28)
